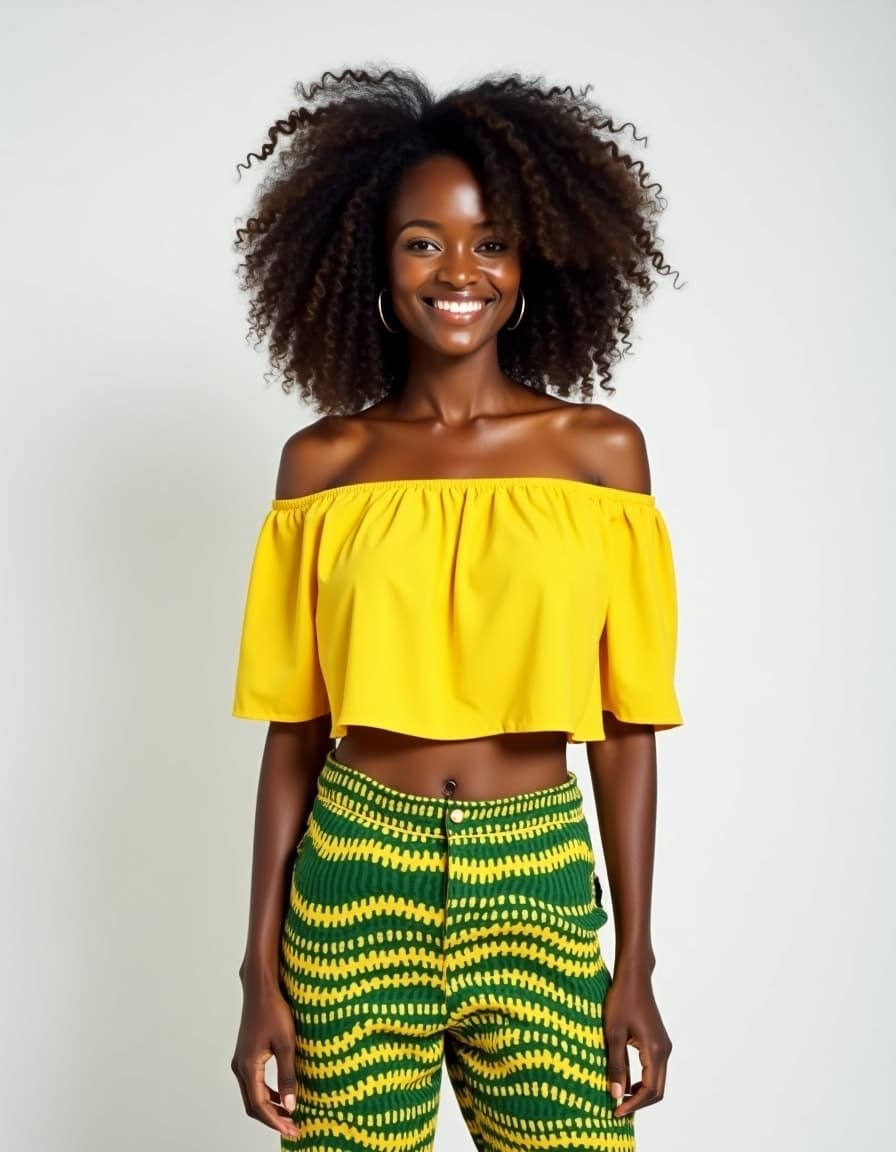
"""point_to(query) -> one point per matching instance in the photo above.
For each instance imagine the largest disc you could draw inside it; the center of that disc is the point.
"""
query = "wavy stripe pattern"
(413, 940)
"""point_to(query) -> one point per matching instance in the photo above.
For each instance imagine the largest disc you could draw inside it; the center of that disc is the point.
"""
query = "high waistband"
(346, 788)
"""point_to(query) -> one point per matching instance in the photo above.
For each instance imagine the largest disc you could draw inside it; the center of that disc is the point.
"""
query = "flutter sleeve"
(278, 672)
(638, 642)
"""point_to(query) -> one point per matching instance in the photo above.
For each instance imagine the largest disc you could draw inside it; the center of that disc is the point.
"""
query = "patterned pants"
(423, 930)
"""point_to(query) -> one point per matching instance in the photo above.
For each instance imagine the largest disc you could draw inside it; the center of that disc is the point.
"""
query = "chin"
(454, 348)
(453, 343)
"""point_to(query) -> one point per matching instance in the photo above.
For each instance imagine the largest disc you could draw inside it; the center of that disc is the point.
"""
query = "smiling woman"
(455, 581)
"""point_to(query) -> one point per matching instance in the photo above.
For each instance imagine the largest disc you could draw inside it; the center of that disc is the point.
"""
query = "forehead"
(440, 188)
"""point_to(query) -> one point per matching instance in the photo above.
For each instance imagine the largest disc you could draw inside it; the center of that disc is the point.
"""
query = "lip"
(458, 317)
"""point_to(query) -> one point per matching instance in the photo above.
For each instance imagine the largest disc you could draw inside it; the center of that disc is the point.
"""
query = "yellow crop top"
(453, 608)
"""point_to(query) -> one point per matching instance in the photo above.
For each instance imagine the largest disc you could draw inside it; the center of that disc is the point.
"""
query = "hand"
(267, 1029)
(630, 1016)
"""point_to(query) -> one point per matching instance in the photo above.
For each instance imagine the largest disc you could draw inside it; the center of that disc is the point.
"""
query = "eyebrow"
(482, 224)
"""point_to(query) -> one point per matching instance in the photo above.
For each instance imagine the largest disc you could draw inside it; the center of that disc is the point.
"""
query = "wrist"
(634, 961)
(258, 974)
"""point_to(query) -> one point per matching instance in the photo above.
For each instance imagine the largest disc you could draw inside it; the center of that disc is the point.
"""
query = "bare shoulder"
(615, 447)
(312, 456)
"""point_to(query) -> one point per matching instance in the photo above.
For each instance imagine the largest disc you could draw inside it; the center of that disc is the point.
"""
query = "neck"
(454, 390)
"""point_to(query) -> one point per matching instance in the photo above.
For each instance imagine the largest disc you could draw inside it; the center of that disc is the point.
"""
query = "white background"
(140, 446)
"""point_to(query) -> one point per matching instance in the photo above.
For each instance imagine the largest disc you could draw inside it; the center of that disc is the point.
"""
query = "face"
(454, 274)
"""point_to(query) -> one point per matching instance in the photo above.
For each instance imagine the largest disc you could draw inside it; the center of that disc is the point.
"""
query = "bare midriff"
(484, 768)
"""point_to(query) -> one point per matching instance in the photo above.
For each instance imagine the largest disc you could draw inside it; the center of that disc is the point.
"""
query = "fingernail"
(615, 1089)
(290, 1102)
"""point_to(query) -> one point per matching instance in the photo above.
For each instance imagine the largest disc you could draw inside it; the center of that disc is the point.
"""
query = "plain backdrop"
(140, 444)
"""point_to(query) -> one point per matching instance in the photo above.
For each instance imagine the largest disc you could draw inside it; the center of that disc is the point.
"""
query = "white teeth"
(460, 308)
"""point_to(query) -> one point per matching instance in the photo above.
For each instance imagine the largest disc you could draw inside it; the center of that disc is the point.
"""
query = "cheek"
(508, 282)
(508, 276)
(404, 275)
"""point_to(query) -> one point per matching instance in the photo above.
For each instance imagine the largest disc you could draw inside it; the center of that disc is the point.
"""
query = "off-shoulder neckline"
(583, 487)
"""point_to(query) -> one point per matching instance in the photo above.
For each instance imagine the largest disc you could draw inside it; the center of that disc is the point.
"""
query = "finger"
(261, 1102)
(235, 1068)
(649, 1089)
(661, 1067)
(286, 1076)
(617, 1062)
(642, 1095)
(273, 1097)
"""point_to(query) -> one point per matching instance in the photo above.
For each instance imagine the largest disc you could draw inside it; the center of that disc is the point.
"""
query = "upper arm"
(617, 451)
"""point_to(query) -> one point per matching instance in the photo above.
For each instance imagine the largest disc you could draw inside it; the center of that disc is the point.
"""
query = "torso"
(545, 437)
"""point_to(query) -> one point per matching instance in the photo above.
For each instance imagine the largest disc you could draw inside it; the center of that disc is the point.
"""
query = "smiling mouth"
(458, 308)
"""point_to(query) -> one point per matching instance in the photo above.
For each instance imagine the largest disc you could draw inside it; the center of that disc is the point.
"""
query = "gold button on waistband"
(456, 814)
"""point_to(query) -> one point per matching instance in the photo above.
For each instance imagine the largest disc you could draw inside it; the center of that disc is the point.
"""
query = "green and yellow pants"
(424, 931)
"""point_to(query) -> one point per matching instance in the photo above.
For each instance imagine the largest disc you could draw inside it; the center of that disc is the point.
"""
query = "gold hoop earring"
(513, 327)
(379, 304)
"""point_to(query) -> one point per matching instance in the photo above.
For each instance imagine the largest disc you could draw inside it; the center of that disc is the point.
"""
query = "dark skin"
(457, 415)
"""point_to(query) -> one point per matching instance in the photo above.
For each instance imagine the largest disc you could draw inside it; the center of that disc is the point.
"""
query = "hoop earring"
(379, 304)
(513, 327)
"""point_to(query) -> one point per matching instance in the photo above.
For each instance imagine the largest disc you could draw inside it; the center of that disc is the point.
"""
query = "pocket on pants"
(573, 888)
(602, 915)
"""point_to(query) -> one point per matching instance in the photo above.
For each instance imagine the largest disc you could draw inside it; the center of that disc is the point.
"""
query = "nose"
(457, 268)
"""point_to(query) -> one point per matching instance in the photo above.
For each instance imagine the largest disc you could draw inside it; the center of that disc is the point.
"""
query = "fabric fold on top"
(462, 607)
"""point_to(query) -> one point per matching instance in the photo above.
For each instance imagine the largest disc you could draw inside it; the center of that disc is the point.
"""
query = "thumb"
(617, 1067)
(286, 1077)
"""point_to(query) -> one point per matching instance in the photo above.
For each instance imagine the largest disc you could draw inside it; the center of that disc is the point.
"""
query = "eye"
(493, 246)
(419, 245)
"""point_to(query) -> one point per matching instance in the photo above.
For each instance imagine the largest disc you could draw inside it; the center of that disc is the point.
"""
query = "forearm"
(293, 756)
(623, 772)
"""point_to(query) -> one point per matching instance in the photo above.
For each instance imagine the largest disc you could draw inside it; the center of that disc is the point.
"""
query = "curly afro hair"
(581, 210)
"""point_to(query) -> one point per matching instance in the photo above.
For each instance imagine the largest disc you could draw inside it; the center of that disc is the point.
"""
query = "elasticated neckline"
(474, 483)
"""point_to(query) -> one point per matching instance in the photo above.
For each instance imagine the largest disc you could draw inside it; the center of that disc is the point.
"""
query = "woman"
(460, 574)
